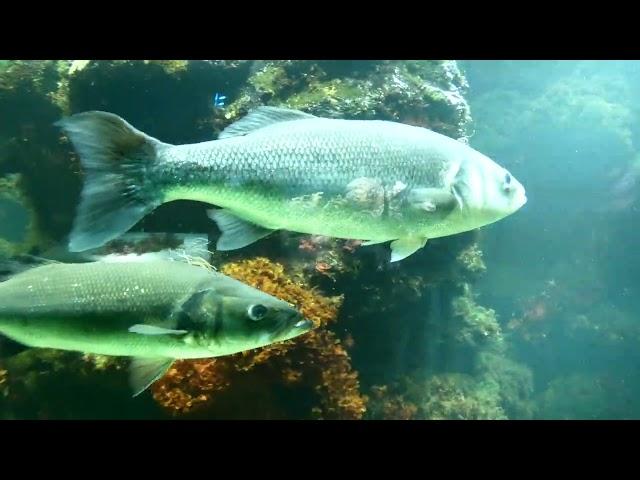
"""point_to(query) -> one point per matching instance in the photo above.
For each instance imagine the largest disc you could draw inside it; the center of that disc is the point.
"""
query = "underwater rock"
(438, 397)
(168, 99)
(459, 397)
(496, 388)
(386, 405)
(54, 384)
(478, 325)
(19, 232)
(426, 93)
(512, 381)
(29, 144)
(584, 396)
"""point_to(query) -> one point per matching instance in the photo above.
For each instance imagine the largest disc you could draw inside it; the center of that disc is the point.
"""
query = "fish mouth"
(523, 200)
(297, 321)
(304, 324)
(296, 325)
(520, 200)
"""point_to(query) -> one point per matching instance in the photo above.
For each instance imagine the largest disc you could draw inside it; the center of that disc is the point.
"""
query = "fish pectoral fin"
(431, 199)
(236, 233)
(145, 371)
(262, 117)
(403, 247)
(153, 330)
(456, 194)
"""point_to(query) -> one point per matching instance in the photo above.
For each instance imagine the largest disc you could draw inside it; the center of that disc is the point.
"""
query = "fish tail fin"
(115, 158)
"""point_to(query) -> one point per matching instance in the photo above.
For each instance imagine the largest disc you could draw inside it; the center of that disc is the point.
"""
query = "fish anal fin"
(236, 233)
(403, 247)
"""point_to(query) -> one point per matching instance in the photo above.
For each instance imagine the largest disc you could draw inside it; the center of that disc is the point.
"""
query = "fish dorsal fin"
(145, 371)
(262, 117)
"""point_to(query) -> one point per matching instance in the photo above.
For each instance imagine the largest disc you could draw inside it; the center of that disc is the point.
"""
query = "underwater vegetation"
(499, 389)
(390, 341)
(478, 325)
(438, 397)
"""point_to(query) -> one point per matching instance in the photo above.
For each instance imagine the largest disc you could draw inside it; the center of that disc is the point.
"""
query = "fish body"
(155, 311)
(276, 168)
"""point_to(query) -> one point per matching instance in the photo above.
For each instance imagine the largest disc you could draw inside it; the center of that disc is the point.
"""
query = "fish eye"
(507, 182)
(257, 312)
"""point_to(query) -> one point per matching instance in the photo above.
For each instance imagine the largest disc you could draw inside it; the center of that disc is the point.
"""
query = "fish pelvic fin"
(115, 158)
(403, 247)
(143, 372)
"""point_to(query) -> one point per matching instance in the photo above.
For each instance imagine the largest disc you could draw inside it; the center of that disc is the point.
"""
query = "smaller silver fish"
(155, 311)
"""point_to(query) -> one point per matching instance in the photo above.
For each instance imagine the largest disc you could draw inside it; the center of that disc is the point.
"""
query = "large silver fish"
(276, 168)
(155, 311)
